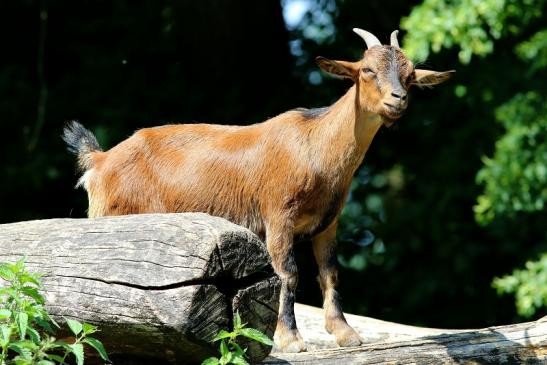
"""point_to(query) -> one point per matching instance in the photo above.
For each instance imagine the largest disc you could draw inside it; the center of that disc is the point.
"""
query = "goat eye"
(368, 70)
(410, 78)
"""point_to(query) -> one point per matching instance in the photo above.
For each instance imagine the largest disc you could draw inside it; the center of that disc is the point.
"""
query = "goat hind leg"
(324, 249)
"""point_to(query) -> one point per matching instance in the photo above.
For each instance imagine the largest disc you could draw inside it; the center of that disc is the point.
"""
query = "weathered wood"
(391, 343)
(158, 286)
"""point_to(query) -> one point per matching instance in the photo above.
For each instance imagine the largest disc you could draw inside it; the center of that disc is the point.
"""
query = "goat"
(283, 178)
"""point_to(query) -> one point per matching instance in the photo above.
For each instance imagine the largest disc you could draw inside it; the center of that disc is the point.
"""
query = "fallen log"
(391, 343)
(158, 286)
(161, 286)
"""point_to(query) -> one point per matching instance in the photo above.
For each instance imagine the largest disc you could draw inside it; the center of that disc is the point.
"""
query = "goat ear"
(427, 78)
(348, 70)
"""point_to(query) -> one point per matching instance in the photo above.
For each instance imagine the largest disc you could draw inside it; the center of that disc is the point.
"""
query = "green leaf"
(97, 345)
(45, 362)
(257, 336)
(20, 264)
(22, 323)
(210, 361)
(50, 319)
(239, 360)
(6, 273)
(21, 360)
(223, 348)
(227, 358)
(75, 326)
(34, 294)
(25, 344)
(34, 335)
(237, 321)
(5, 313)
(238, 350)
(56, 344)
(223, 334)
(44, 324)
(23, 347)
(17, 348)
(30, 278)
(5, 332)
(78, 350)
(56, 358)
(89, 328)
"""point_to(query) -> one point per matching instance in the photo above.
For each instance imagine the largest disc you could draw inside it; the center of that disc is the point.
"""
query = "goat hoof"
(290, 342)
(348, 338)
(294, 347)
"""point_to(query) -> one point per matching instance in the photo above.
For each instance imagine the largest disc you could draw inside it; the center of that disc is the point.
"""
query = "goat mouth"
(393, 111)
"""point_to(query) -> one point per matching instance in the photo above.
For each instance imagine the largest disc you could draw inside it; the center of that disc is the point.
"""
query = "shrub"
(230, 351)
(26, 328)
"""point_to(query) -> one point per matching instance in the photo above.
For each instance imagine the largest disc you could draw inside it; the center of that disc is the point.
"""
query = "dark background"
(410, 247)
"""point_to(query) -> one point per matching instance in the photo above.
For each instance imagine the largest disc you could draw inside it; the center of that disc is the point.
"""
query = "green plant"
(230, 351)
(26, 328)
(528, 285)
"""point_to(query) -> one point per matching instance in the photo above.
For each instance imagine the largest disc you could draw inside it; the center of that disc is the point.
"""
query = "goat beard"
(388, 122)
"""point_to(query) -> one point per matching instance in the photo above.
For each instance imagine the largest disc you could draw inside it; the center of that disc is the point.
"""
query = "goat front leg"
(279, 241)
(324, 249)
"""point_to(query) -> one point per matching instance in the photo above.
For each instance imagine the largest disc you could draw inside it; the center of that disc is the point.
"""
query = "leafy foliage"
(528, 285)
(230, 351)
(534, 52)
(471, 25)
(515, 177)
(26, 328)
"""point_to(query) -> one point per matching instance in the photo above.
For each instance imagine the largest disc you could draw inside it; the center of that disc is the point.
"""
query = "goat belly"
(320, 217)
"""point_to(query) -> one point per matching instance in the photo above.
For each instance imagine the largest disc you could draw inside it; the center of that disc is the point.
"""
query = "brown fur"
(288, 176)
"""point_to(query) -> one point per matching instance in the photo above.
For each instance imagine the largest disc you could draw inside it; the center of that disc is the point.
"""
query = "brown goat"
(288, 176)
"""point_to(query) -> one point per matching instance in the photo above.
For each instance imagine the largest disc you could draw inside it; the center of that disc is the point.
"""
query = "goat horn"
(369, 38)
(394, 41)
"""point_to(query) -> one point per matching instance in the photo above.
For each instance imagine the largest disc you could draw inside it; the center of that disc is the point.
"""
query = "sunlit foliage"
(515, 176)
(472, 26)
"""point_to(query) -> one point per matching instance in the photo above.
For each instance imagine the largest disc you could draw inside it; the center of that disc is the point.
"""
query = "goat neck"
(344, 134)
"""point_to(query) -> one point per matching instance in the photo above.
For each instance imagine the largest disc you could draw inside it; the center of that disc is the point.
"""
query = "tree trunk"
(158, 286)
(391, 343)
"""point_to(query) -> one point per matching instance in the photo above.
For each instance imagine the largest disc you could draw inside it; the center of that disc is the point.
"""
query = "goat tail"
(81, 142)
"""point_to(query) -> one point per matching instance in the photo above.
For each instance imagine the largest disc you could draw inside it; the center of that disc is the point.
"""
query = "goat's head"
(384, 76)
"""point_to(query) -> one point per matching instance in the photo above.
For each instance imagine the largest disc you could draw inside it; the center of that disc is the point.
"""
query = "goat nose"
(399, 94)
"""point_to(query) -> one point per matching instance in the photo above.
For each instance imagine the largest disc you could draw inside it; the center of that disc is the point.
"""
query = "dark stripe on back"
(313, 113)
